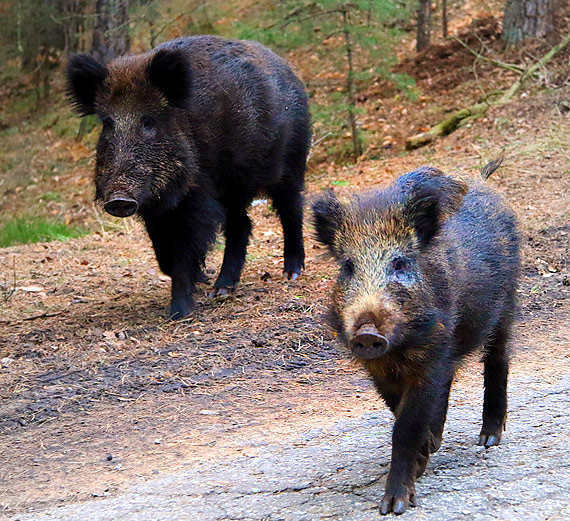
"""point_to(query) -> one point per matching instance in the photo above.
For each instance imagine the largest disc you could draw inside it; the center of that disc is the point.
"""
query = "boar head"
(145, 160)
(384, 301)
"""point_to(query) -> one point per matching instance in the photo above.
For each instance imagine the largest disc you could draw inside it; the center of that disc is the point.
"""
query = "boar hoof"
(179, 310)
(488, 440)
(435, 443)
(291, 275)
(221, 291)
(397, 503)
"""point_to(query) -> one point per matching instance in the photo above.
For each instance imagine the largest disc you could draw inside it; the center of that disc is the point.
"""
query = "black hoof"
(435, 443)
(221, 291)
(179, 310)
(398, 505)
(488, 440)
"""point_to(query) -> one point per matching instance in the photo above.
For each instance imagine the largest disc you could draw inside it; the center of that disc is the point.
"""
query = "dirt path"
(336, 470)
(249, 410)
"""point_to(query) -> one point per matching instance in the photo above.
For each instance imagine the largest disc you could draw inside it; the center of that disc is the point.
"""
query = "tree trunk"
(72, 11)
(111, 30)
(527, 19)
(424, 25)
(444, 28)
(356, 141)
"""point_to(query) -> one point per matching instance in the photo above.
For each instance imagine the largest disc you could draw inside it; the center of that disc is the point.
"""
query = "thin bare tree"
(111, 29)
(423, 32)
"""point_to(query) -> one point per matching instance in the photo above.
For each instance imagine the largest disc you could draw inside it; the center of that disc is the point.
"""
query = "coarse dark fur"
(430, 265)
(192, 131)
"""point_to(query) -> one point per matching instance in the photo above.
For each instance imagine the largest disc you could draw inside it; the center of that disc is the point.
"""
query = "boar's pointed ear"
(327, 217)
(432, 202)
(170, 72)
(424, 212)
(85, 75)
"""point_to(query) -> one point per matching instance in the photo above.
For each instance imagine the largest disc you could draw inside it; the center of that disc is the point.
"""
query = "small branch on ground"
(492, 166)
(509, 66)
(45, 314)
(42, 315)
(9, 288)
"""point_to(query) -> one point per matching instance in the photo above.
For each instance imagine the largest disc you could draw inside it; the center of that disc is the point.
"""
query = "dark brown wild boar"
(428, 273)
(192, 131)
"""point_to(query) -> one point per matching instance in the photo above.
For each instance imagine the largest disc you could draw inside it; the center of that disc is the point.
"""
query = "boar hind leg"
(496, 361)
(289, 205)
(236, 230)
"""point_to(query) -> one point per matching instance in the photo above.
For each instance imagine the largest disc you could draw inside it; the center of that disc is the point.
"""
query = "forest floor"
(249, 409)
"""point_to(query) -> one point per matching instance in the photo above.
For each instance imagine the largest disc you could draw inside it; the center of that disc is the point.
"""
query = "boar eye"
(399, 264)
(348, 268)
(148, 123)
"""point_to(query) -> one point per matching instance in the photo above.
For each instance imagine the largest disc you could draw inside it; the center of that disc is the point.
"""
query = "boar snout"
(368, 343)
(121, 206)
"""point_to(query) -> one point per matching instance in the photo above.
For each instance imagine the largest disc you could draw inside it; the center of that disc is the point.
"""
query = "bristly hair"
(84, 77)
(170, 72)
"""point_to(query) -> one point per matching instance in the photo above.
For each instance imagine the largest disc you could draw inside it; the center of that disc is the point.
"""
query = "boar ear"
(433, 202)
(424, 212)
(170, 72)
(327, 217)
(85, 75)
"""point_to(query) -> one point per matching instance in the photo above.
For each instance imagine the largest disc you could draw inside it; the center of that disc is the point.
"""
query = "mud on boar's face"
(144, 159)
(382, 301)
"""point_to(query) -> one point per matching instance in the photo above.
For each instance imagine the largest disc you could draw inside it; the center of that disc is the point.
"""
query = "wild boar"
(192, 131)
(428, 273)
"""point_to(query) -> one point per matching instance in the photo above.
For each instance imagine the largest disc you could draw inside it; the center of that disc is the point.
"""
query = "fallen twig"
(492, 166)
(509, 66)
(42, 315)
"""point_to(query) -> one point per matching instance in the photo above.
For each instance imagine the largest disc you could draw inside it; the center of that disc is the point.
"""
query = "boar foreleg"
(421, 409)
(181, 239)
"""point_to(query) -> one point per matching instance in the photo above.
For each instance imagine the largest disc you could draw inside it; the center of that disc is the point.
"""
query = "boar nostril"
(121, 206)
(368, 342)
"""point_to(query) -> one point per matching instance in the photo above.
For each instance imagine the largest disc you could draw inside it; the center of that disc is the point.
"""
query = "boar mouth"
(121, 206)
(367, 343)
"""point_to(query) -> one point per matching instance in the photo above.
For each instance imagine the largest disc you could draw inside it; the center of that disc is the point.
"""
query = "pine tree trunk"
(527, 19)
(444, 29)
(424, 25)
(356, 141)
(72, 11)
(111, 30)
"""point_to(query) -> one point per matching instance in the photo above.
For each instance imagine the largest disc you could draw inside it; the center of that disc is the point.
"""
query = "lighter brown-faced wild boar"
(428, 273)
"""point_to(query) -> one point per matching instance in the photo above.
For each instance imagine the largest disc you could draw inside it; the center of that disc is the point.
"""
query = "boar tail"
(492, 166)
